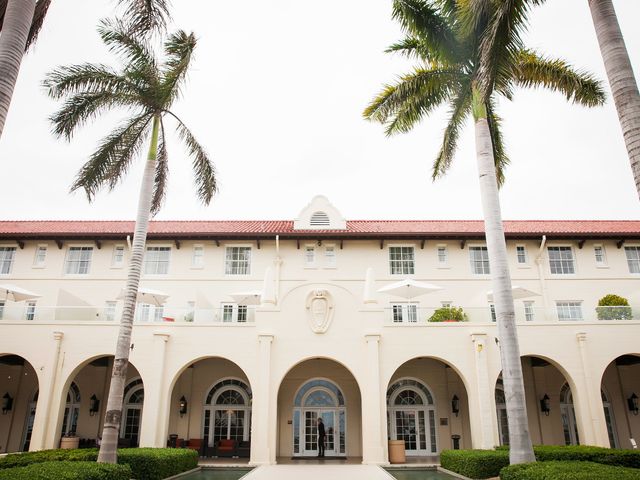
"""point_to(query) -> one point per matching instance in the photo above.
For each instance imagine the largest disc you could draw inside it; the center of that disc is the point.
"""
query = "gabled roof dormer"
(320, 214)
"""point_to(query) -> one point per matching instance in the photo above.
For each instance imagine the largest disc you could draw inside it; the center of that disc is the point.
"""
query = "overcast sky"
(276, 95)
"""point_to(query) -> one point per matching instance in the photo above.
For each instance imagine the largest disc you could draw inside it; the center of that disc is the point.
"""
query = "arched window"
(320, 219)
(132, 413)
(227, 412)
(568, 415)
(71, 411)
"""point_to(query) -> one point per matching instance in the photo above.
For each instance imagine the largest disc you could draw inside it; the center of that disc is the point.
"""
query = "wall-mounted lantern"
(94, 405)
(545, 405)
(7, 403)
(632, 401)
(455, 405)
(183, 406)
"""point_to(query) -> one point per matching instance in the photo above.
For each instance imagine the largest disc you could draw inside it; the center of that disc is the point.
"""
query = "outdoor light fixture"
(632, 401)
(183, 406)
(455, 405)
(94, 405)
(545, 405)
(7, 403)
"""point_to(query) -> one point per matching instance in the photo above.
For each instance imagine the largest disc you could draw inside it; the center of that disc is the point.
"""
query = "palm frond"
(146, 16)
(110, 162)
(420, 19)
(179, 49)
(203, 170)
(83, 107)
(135, 51)
(36, 24)
(162, 173)
(533, 70)
(408, 47)
(500, 158)
(402, 105)
(460, 107)
(85, 78)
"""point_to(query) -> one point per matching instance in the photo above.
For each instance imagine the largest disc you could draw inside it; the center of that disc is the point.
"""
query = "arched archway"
(211, 408)
(427, 407)
(319, 388)
(19, 398)
(620, 392)
(85, 400)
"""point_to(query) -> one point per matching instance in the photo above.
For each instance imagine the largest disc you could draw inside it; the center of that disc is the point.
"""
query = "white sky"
(276, 94)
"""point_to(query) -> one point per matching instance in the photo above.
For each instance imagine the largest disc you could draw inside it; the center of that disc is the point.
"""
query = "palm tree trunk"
(521, 448)
(620, 75)
(110, 433)
(15, 31)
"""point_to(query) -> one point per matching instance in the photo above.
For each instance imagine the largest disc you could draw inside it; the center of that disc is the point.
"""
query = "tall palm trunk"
(620, 75)
(521, 448)
(109, 446)
(15, 31)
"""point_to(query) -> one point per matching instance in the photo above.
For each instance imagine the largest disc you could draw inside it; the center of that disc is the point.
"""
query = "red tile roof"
(284, 228)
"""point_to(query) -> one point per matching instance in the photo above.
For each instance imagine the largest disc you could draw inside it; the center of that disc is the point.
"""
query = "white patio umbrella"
(148, 295)
(16, 293)
(518, 293)
(253, 297)
(409, 288)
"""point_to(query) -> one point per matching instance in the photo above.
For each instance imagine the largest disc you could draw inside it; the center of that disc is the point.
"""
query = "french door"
(410, 425)
(309, 432)
(231, 424)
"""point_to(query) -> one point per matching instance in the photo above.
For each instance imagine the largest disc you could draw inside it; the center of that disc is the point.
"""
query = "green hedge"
(475, 463)
(487, 463)
(567, 471)
(145, 463)
(71, 470)
(158, 463)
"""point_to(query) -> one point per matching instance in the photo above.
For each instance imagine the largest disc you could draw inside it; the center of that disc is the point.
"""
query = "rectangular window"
(404, 313)
(227, 313)
(492, 310)
(600, 255)
(442, 254)
(235, 313)
(330, 256)
(529, 313)
(561, 260)
(30, 311)
(146, 312)
(110, 311)
(1, 309)
(242, 313)
(569, 310)
(238, 261)
(156, 260)
(117, 258)
(401, 260)
(309, 255)
(633, 259)
(197, 259)
(78, 260)
(7, 254)
(40, 256)
(521, 254)
(479, 260)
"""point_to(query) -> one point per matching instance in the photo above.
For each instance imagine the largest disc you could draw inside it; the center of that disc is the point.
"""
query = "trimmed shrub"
(567, 471)
(585, 453)
(74, 470)
(475, 463)
(613, 307)
(449, 314)
(29, 458)
(157, 463)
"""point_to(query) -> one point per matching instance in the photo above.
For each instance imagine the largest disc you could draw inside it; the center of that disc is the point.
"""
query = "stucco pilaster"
(373, 408)
(154, 420)
(263, 426)
(482, 397)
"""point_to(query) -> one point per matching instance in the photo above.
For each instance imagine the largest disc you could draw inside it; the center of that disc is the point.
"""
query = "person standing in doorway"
(321, 437)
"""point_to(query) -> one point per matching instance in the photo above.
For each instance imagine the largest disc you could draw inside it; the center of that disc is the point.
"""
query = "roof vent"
(320, 219)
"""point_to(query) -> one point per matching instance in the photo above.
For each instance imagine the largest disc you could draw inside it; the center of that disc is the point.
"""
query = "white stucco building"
(269, 324)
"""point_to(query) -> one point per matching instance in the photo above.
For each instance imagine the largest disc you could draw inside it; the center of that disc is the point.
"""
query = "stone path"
(318, 472)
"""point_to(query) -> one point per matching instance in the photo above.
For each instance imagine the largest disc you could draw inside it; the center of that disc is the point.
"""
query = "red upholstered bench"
(226, 448)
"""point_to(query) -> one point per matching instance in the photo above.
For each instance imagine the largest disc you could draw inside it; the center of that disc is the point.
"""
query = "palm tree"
(21, 21)
(623, 83)
(147, 88)
(450, 40)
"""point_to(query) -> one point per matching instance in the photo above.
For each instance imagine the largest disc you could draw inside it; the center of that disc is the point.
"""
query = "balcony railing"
(414, 314)
(239, 315)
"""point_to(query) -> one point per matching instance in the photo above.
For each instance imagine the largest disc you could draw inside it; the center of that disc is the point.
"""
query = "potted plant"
(449, 314)
(69, 441)
(613, 307)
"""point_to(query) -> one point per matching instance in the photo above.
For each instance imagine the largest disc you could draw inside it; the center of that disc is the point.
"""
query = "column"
(155, 412)
(482, 397)
(373, 407)
(588, 402)
(263, 426)
(46, 419)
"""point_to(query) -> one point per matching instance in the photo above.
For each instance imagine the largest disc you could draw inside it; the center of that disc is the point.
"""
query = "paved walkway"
(318, 472)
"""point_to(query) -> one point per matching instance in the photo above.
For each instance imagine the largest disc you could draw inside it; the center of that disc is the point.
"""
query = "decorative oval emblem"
(319, 310)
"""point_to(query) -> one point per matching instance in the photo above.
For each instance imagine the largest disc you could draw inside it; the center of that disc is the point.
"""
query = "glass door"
(310, 432)
(410, 425)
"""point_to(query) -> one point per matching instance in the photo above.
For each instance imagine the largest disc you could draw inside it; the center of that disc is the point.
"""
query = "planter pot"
(396, 451)
(69, 442)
